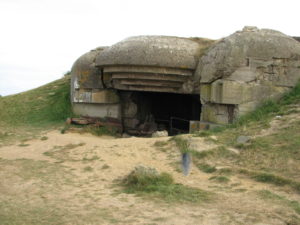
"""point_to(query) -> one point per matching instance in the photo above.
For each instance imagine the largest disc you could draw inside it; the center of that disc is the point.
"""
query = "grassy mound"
(147, 181)
(46, 105)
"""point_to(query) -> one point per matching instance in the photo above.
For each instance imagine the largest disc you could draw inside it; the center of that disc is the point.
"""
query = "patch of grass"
(182, 144)
(205, 133)
(160, 143)
(43, 171)
(105, 166)
(266, 111)
(268, 195)
(3, 135)
(65, 128)
(219, 152)
(88, 169)
(206, 168)
(18, 212)
(23, 145)
(95, 157)
(271, 179)
(62, 152)
(43, 106)
(100, 131)
(44, 138)
(226, 171)
(220, 179)
(151, 183)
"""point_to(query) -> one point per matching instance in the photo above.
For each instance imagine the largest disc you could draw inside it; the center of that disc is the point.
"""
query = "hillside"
(246, 173)
(27, 113)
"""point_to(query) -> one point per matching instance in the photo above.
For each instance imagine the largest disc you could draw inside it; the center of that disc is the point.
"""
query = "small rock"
(243, 139)
(125, 135)
(278, 117)
(214, 137)
(162, 133)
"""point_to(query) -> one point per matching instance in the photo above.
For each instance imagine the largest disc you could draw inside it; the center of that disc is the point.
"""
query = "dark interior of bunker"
(146, 112)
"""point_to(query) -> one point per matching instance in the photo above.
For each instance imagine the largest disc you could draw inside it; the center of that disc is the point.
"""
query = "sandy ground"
(96, 163)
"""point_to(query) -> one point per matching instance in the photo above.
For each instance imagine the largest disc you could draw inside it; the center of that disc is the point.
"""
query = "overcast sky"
(40, 39)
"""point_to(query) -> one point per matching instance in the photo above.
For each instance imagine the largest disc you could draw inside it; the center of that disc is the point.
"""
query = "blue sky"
(40, 39)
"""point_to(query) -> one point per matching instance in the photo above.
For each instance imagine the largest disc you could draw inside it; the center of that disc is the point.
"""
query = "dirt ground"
(72, 179)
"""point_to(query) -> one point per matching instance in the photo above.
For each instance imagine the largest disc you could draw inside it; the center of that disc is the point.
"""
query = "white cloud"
(47, 36)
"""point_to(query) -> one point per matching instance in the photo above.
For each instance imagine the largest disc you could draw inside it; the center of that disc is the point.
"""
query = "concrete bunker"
(146, 81)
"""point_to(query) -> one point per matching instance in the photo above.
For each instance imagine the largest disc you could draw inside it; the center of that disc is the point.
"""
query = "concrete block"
(105, 96)
(82, 95)
(97, 110)
(217, 113)
(194, 126)
(205, 92)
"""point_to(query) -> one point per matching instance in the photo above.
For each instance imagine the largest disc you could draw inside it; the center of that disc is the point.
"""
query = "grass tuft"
(101, 131)
(220, 179)
(182, 144)
(147, 181)
(206, 168)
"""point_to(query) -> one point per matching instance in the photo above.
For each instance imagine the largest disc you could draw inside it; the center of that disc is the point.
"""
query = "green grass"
(182, 144)
(262, 115)
(46, 105)
(62, 153)
(220, 179)
(28, 113)
(271, 179)
(44, 138)
(105, 166)
(88, 169)
(160, 143)
(101, 131)
(206, 168)
(280, 200)
(162, 186)
(23, 145)
(43, 171)
(269, 108)
(277, 153)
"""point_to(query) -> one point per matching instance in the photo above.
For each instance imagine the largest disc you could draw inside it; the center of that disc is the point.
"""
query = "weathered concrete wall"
(245, 69)
(105, 96)
(153, 63)
(88, 96)
(97, 110)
